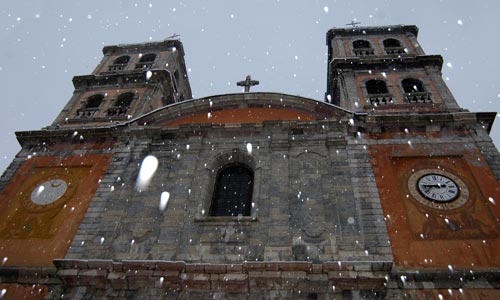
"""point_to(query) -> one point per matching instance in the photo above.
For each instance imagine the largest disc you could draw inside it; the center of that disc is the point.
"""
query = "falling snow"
(164, 200)
(147, 171)
(249, 148)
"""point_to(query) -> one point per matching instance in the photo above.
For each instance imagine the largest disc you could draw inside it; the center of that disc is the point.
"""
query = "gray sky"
(281, 43)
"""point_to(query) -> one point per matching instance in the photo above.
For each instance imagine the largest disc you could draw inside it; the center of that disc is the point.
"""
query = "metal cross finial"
(247, 83)
(353, 24)
(173, 36)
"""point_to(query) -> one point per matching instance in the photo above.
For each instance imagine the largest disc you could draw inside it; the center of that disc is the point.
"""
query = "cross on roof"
(353, 24)
(247, 83)
(173, 36)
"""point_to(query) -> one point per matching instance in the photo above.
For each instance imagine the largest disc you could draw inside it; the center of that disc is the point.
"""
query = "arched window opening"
(393, 47)
(146, 61)
(415, 91)
(361, 44)
(120, 63)
(378, 92)
(412, 85)
(391, 43)
(121, 105)
(375, 86)
(124, 59)
(90, 108)
(362, 48)
(150, 57)
(124, 100)
(94, 101)
(233, 191)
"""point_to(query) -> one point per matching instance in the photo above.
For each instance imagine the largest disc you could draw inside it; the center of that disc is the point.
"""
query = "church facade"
(386, 189)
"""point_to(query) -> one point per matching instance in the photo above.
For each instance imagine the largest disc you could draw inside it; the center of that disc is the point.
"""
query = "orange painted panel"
(17, 291)
(466, 236)
(43, 205)
(243, 115)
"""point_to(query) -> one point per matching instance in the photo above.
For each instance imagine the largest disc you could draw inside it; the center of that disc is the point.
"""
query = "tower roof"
(127, 48)
(364, 30)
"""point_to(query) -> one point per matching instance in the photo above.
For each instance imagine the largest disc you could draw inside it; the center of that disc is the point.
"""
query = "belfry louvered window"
(233, 191)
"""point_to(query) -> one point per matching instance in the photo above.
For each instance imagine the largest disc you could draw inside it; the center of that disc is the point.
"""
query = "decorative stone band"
(246, 277)
(486, 278)
(325, 278)
(251, 277)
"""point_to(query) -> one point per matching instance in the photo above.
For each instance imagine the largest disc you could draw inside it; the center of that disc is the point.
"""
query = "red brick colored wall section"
(16, 291)
(243, 115)
(465, 237)
(453, 294)
(34, 235)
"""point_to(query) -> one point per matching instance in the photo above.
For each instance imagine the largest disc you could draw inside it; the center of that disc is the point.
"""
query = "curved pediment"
(242, 108)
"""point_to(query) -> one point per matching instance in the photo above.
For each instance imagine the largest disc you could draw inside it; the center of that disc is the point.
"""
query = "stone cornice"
(368, 30)
(446, 278)
(144, 47)
(357, 63)
(180, 275)
(134, 77)
(368, 123)
(248, 276)
(471, 119)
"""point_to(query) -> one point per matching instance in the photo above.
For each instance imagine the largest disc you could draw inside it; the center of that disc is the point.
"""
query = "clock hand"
(55, 184)
(438, 185)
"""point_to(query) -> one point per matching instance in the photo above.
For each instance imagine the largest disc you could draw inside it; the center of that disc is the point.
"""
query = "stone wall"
(314, 197)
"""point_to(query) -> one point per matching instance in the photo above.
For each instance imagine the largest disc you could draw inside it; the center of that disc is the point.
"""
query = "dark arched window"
(120, 63)
(124, 100)
(90, 108)
(376, 86)
(122, 60)
(233, 191)
(146, 61)
(361, 44)
(412, 85)
(121, 104)
(392, 43)
(362, 48)
(393, 47)
(415, 91)
(94, 101)
(150, 57)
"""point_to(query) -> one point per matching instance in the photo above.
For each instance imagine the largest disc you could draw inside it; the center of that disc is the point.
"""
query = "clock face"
(437, 187)
(49, 191)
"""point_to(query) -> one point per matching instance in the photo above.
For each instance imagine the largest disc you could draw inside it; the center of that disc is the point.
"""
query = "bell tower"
(434, 164)
(382, 70)
(131, 80)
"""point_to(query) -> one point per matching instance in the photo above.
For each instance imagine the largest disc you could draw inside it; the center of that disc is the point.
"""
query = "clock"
(49, 191)
(438, 189)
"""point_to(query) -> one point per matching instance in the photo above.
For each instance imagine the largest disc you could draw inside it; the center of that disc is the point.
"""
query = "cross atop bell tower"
(384, 70)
